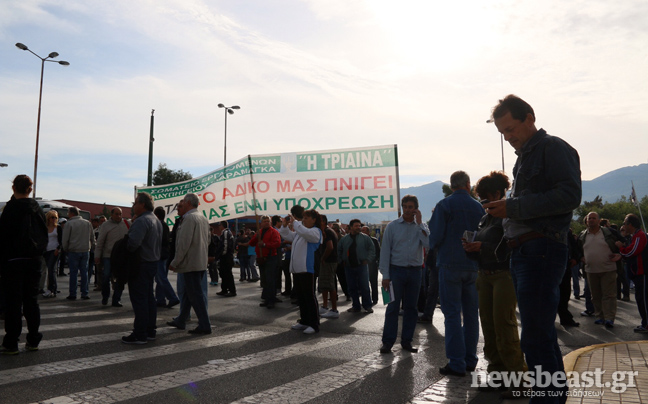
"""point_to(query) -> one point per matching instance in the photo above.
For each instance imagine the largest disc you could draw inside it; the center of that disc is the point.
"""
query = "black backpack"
(124, 264)
(32, 241)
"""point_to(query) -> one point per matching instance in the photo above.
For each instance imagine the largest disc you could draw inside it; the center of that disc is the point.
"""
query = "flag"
(633, 196)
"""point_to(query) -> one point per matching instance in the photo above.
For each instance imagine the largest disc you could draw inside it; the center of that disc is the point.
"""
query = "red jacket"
(272, 241)
(635, 250)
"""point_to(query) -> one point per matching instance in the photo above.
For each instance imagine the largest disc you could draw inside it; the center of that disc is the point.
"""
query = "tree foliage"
(164, 175)
(615, 212)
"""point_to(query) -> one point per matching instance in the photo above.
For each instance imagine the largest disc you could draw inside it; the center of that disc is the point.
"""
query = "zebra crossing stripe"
(77, 314)
(326, 381)
(90, 339)
(84, 324)
(153, 384)
(55, 368)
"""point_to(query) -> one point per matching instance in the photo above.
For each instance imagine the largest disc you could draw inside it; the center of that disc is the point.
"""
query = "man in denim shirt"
(457, 274)
(546, 190)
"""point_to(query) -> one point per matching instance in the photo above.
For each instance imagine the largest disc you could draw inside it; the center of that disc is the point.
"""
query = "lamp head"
(64, 63)
(235, 107)
(229, 111)
(21, 46)
(52, 55)
(221, 106)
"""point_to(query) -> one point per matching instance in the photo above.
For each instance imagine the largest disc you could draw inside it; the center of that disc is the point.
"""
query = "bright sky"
(311, 75)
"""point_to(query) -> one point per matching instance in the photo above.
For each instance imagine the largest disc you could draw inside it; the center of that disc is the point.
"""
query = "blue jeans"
(358, 285)
(459, 299)
(244, 262)
(106, 282)
(163, 289)
(50, 260)
(407, 283)
(142, 299)
(575, 272)
(253, 271)
(195, 296)
(537, 268)
(185, 306)
(78, 261)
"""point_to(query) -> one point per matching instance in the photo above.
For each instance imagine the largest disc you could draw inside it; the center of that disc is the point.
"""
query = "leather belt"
(518, 241)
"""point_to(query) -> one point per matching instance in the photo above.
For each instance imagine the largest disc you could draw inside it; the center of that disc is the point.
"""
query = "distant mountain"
(610, 187)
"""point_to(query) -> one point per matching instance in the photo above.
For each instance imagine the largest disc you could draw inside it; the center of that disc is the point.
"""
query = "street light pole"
(228, 110)
(40, 98)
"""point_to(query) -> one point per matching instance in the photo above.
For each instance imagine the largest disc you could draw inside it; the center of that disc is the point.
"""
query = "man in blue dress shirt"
(401, 260)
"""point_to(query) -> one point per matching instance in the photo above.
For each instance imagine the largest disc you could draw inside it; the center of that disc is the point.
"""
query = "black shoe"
(571, 323)
(587, 313)
(104, 301)
(230, 294)
(198, 330)
(446, 371)
(285, 293)
(255, 280)
(264, 304)
(117, 304)
(71, 297)
(221, 293)
(86, 297)
(384, 349)
(425, 319)
(409, 348)
(172, 304)
(132, 340)
(176, 325)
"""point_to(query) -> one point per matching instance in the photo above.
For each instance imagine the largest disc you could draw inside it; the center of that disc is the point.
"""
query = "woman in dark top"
(497, 302)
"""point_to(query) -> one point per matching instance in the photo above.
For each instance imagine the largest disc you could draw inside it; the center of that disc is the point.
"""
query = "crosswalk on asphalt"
(81, 361)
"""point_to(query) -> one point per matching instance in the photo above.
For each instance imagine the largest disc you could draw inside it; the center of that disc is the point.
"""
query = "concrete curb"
(571, 358)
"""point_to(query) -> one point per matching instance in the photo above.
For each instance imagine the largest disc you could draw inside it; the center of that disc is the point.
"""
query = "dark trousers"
(20, 289)
(308, 308)
(225, 268)
(341, 276)
(50, 260)
(285, 268)
(641, 298)
(143, 301)
(373, 281)
(563, 301)
(270, 267)
(623, 284)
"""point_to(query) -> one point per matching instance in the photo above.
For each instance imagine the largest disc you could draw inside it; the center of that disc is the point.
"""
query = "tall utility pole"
(149, 182)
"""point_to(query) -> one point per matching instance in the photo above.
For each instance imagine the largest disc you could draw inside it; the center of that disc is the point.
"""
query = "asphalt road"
(252, 356)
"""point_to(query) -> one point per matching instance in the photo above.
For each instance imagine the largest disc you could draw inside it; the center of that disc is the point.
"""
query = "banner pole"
(636, 202)
(397, 179)
(256, 214)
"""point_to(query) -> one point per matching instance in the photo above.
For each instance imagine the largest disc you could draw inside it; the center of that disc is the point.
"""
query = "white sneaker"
(323, 310)
(309, 330)
(299, 326)
(331, 314)
(47, 293)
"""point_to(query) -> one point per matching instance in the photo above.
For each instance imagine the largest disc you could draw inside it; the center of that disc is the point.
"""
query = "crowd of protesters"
(483, 258)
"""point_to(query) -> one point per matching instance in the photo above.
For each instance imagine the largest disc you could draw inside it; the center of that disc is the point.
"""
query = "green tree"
(164, 175)
(106, 211)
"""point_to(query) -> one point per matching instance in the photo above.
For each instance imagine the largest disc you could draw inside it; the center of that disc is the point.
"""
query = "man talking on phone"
(455, 218)
(401, 259)
(537, 215)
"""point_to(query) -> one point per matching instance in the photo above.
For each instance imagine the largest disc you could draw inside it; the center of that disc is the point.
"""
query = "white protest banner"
(330, 181)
